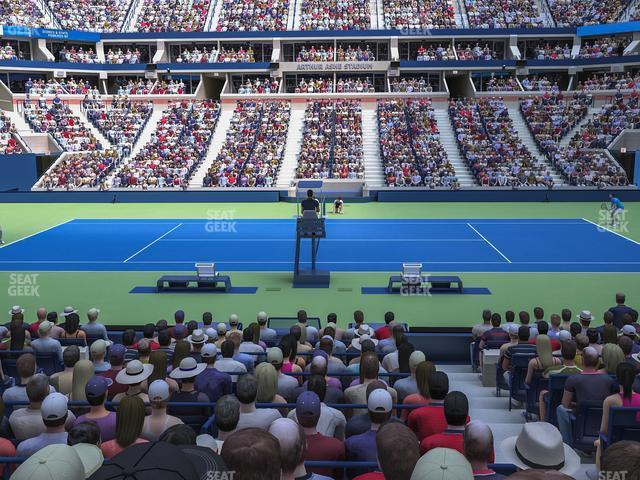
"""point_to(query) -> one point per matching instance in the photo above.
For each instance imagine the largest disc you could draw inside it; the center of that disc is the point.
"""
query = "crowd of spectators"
(147, 429)
(27, 13)
(432, 52)
(253, 15)
(410, 145)
(413, 15)
(411, 85)
(571, 13)
(90, 15)
(121, 122)
(476, 51)
(80, 170)
(357, 54)
(128, 57)
(198, 55)
(57, 119)
(537, 83)
(135, 87)
(8, 136)
(253, 148)
(259, 85)
(355, 85)
(176, 147)
(335, 15)
(42, 87)
(173, 15)
(78, 87)
(315, 85)
(77, 55)
(609, 81)
(503, 14)
(603, 47)
(331, 140)
(501, 84)
(231, 55)
(172, 87)
(491, 146)
(550, 50)
(313, 54)
(7, 52)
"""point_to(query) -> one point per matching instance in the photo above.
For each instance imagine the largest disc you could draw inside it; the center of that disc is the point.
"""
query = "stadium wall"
(18, 171)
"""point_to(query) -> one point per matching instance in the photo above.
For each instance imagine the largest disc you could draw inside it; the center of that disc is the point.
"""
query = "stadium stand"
(404, 14)
(584, 12)
(335, 15)
(173, 15)
(92, 15)
(503, 14)
(609, 81)
(80, 170)
(253, 16)
(8, 136)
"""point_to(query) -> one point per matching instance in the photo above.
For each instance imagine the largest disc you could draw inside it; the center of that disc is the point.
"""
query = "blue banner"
(50, 33)
(608, 29)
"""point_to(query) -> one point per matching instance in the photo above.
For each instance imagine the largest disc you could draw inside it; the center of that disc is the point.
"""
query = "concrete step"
(450, 145)
(292, 148)
(77, 111)
(373, 170)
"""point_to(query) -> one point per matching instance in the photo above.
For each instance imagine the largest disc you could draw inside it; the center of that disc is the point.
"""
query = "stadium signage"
(51, 33)
(312, 67)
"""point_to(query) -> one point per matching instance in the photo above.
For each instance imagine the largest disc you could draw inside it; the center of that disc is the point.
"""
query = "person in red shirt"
(319, 447)
(41, 313)
(430, 420)
(543, 329)
(385, 331)
(398, 453)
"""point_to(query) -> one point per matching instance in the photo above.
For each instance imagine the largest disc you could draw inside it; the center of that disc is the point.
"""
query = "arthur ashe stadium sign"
(313, 67)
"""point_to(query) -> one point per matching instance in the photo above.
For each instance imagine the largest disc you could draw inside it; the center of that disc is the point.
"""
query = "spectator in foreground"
(85, 432)
(93, 328)
(620, 310)
(267, 335)
(96, 393)
(253, 454)
(129, 423)
(63, 381)
(98, 351)
(25, 368)
(442, 464)
(133, 375)
(186, 374)
(250, 416)
(456, 412)
(332, 421)
(293, 448)
(478, 448)
(116, 359)
(46, 344)
(54, 415)
(61, 461)
(409, 385)
(623, 456)
(159, 420)
(430, 420)
(286, 383)
(227, 414)
(478, 329)
(228, 364)
(211, 381)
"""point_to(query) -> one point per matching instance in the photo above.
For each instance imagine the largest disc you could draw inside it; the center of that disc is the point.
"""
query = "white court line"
(249, 262)
(36, 233)
(232, 239)
(491, 244)
(611, 231)
(156, 240)
(197, 222)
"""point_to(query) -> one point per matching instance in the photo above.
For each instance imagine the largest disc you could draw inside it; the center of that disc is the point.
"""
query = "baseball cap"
(262, 316)
(380, 401)
(211, 333)
(308, 405)
(416, 358)
(45, 326)
(564, 335)
(456, 403)
(158, 391)
(513, 330)
(61, 461)
(54, 407)
(221, 328)
(629, 330)
(162, 460)
(97, 386)
(233, 319)
(117, 352)
(442, 464)
(93, 312)
(274, 356)
(99, 347)
(209, 350)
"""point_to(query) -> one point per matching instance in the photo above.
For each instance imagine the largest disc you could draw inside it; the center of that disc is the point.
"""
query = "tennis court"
(455, 245)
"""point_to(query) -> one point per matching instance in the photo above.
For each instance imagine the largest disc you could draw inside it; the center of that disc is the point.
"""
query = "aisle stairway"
(77, 111)
(292, 148)
(373, 169)
(525, 135)
(448, 140)
(219, 136)
(564, 142)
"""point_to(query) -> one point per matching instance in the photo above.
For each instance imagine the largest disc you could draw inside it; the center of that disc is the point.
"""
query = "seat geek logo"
(220, 221)
(23, 285)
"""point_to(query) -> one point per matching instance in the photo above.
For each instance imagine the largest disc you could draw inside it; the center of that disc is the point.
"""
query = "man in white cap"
(442, 464)
(133, 375)
(293, 447)
(98, 351)
(585, 318)
(267, 335)
(408, 385)
(233, 322)
(54, 415)
(46, 344)
(286, 383)
(197, 339)
(211, 381)
(93, 328)
(221, 330)
(539, 446)
(156, 423)
(61, 461)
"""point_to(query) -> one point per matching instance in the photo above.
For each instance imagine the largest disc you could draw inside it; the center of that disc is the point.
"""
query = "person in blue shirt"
(617, 208)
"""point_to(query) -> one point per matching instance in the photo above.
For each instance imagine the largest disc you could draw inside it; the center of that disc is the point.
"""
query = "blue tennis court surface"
(460, 245)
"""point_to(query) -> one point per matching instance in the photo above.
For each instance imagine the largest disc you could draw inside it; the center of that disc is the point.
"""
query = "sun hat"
(54, 407)
(188, 368)
(379, 401)
(68, 311)
(442, 464)
(357, 342)
(275, 356)
(45, 327)
(585, 315)
(416, 358)
(363, 329)
(61, 461)
(163, 461)
(539, 446)
(198, 337)
(16, 309)
(134, 372)
(159, 391)
(209, 350)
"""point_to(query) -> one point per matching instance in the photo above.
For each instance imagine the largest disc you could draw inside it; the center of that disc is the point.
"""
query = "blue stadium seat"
(517, 389)
(624, 424)
(586, 425)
